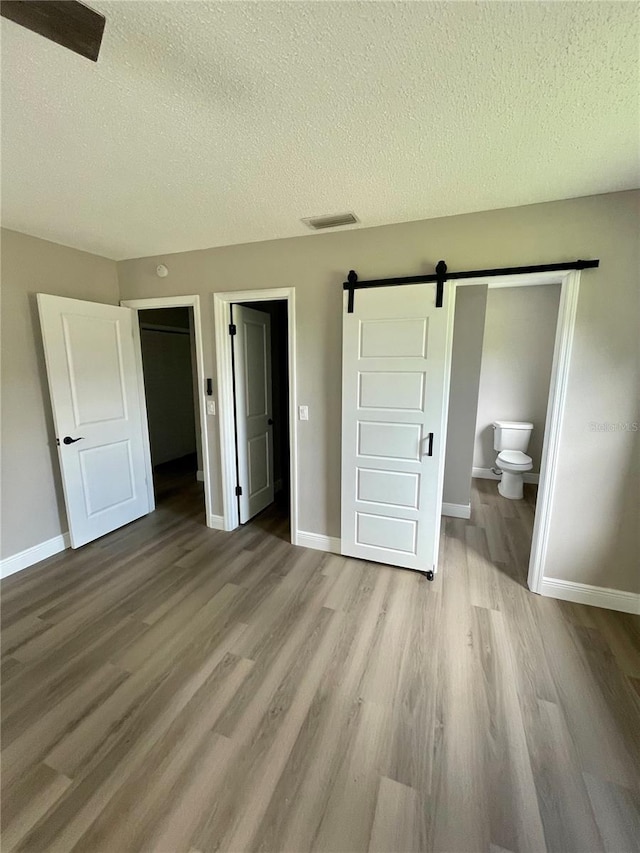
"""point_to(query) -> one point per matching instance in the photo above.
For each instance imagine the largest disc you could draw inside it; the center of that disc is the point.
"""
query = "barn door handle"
(68, 440)
(429, 440)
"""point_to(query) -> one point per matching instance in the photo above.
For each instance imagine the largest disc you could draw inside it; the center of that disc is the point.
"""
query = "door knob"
(68, 440)
(270, 421)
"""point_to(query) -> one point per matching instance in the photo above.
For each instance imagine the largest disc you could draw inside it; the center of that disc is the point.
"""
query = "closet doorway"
(255, 353)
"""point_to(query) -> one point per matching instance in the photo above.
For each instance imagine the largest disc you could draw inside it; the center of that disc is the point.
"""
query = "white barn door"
(90, 356)
(395, 367)
(254, 414)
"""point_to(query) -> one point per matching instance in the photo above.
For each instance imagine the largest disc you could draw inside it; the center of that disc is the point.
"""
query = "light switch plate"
(211, 407)
(303, 413)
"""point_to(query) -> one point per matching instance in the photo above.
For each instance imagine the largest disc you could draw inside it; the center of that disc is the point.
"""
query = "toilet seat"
(514, 460)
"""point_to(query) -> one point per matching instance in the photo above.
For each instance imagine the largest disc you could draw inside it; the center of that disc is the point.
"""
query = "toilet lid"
(514, 457)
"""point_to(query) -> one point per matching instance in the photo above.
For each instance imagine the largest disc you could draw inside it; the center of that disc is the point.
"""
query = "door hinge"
(232, 328)
(238, 491)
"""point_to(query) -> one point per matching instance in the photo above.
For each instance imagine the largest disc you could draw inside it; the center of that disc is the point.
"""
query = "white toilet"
(511, 438)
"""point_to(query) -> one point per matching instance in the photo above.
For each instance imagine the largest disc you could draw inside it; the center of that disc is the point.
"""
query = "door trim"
(569, 282)
(176, 302)
(221, 303)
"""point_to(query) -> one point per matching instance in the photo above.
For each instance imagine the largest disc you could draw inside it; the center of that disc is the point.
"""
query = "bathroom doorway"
(509, 362)
(513, 394)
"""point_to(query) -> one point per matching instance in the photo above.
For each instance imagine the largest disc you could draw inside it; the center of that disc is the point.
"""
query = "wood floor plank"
(459, 803)
(617, 813)
(415, 726)
(515, 820)
(349, 815)
(56, 677)
(189, 734)
(565, 808)
(484, 586)
(395, 824)
(118, 715)
(29, 799)
(21, 632)
(164, 722)
(257, 795)
(301, 797)
(601, 746)
(50, 725)
(178, 689)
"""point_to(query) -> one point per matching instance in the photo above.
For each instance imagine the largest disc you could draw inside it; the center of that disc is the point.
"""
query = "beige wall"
(517, 354)
(32, 505)
(594, 536)
(466, 358)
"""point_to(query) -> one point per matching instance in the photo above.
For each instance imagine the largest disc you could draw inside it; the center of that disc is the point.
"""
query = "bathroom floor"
(508, 525)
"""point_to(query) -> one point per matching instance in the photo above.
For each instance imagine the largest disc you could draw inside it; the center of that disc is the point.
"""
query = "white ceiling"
(205, 124)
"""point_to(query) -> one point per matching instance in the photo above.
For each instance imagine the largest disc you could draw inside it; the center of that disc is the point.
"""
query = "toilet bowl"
(513, 464)
(511, 439)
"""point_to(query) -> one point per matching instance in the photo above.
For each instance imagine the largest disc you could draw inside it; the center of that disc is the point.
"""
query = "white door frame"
(221, 305)
(565, 327)
(176, 302)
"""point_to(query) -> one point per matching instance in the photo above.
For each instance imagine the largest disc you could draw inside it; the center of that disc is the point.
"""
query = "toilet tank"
(511, 435)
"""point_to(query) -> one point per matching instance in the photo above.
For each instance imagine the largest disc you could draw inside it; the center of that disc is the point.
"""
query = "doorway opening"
(255, 353)
(169, 366)
(192, 391)
(504, 396)
(260, 358)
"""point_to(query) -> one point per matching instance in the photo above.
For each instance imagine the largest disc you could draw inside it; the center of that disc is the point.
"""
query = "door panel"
(101, 490)
(395, 347)
(94, 359)
(252, 361)
(393, 338)
(89, 350)
(388, 487)
(389, 441)
(400, 391)
(392, 534)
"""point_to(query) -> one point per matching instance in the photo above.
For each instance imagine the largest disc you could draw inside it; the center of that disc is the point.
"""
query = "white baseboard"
(596, 596)
(487, 474)
(33, 555)
(200, 476)
(456, 510)
(318, 541)
(216, 522)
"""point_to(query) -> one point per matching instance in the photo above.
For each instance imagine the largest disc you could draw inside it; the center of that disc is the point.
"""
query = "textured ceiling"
(205, 124)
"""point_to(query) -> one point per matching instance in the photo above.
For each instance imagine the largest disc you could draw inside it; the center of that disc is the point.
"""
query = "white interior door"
(90, 356)
(394, 384)
(252, 363)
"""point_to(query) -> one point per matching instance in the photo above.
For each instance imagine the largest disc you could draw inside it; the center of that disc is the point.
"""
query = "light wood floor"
(172, 688)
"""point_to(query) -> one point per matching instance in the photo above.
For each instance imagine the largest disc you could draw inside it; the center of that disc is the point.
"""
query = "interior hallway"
(170, 687)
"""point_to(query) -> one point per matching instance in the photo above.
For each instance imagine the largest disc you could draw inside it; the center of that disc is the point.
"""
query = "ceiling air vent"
(336, 220)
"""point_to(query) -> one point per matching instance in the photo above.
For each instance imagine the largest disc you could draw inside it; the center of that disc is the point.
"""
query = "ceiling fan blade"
(66, 22)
